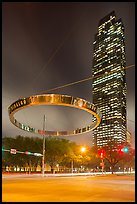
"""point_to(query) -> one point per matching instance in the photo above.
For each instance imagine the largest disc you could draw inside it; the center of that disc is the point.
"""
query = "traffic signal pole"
(43, 158)
(102, 162)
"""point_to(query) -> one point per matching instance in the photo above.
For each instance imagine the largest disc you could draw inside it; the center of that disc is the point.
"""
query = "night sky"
(46, 45)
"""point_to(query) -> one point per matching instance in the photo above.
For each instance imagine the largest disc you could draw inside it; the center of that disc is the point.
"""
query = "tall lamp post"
(72, 166)
(83, 150)
(43, 158)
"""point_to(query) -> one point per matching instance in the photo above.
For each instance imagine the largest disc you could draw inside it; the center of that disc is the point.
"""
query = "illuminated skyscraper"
(109, 80)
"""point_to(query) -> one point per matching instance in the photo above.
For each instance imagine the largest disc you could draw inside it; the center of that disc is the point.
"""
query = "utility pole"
(43, 158)
(72, 166)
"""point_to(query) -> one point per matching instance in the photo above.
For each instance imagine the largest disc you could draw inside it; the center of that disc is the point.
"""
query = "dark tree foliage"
(22, 144)
(55, 151)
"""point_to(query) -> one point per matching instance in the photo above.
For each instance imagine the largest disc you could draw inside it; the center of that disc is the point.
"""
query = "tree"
(22, 144)
(114, 153)
(95, 158)
(55, 151)
(70, 157)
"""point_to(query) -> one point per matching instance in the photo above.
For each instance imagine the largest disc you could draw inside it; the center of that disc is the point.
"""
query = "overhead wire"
(83, 80)
(87, 79)
(131, 121)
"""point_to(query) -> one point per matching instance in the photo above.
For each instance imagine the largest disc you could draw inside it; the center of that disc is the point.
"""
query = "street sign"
(13, 151)
(37, 154)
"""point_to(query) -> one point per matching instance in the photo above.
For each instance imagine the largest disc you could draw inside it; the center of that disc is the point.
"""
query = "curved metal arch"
(54, 99)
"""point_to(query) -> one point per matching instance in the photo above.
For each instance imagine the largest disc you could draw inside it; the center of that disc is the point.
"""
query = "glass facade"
(109, 80)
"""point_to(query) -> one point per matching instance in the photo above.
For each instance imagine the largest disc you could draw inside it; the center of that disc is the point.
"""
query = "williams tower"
(109, 80)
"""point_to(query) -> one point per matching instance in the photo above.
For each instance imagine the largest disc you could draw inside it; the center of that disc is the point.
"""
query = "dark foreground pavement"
(101, 188)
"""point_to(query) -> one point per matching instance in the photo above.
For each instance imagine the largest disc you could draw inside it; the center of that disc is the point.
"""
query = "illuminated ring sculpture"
(54, 99)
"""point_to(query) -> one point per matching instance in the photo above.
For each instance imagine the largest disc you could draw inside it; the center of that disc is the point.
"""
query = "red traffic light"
(101, 153)
(28, 153)
(121, 150)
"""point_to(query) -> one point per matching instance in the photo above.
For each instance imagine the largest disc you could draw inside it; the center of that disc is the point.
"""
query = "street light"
(83, 149)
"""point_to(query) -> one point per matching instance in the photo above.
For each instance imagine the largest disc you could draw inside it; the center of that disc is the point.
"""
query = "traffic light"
(122, 150)
(125, 149)
(28, 153)
(101, 153)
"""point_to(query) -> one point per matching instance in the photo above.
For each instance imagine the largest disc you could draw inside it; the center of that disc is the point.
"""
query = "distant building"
(109, 80)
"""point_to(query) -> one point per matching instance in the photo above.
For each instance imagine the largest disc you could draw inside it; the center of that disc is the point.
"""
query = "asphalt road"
(103, 188)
